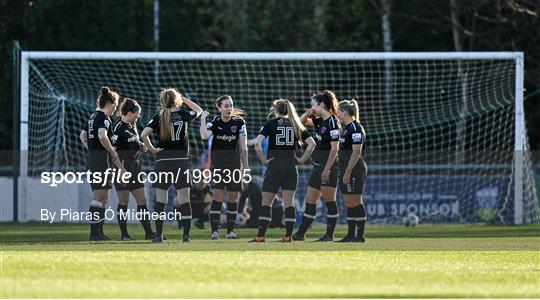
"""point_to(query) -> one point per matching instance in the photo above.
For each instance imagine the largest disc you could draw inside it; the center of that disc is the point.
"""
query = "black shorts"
(280, 174)
(357, 179)
(134, 167)
(315, 177)
(172, 172)
(98, 162)
(226, 177)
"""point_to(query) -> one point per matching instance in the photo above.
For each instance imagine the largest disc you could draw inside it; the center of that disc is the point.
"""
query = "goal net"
(446, 138)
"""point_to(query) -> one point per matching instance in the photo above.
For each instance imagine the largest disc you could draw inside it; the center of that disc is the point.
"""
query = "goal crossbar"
(518, 57)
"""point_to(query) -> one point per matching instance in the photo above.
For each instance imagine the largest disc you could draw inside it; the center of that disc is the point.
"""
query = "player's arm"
(307, 153)
(259, 140)
(242, 143)
(84, 138)
(331, 158)
(355, 155)
(193, 106)
(106, 143)
(145, 137)
(204, 129)
(305, 119)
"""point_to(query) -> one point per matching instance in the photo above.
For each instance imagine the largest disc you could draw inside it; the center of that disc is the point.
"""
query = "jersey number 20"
(285, 136)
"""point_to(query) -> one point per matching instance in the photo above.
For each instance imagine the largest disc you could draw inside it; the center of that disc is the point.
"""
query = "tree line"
(273, 25)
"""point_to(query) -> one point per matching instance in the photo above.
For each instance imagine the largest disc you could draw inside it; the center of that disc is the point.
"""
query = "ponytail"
(286, 107)
(295, 121)
(351, 108)
(169, 98)
(356, 110)
(165, 124)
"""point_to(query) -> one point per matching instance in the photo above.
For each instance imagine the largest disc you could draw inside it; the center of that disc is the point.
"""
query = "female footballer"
(324, 176)
(96, 138)
(352, 169)
(128, 146)
(229, 157)
(286, 134)
(172, 155)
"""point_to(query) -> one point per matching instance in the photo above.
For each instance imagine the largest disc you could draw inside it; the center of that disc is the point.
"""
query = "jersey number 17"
(176, 128)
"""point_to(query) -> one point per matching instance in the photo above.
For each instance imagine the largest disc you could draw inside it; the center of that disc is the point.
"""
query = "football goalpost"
(446, 133)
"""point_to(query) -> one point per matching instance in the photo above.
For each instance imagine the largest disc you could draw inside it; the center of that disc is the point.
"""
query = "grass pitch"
(54, 260)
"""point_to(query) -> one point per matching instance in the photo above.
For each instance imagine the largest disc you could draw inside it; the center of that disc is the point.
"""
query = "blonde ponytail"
(169, 98)
(165, 124)
(356, 111)
(295, 121)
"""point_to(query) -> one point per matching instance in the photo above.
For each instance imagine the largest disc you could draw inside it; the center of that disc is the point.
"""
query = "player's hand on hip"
(143, 147)
(325, 175)
(156, 150)
(346, 178)
(267, 161)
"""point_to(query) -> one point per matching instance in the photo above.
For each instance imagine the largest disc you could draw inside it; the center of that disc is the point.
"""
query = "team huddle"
(336, 153)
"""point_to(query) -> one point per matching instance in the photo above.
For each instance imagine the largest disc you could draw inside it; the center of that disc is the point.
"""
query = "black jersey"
(282, 142)
(225, 139)
(327, 132)
(353, 134)
(97, 120)
(178, 146)
(126, 140)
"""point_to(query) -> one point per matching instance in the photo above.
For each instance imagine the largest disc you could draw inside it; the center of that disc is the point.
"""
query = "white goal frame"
(519, 142)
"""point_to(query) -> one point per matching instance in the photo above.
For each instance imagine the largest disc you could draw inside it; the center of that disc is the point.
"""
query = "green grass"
(425, 261)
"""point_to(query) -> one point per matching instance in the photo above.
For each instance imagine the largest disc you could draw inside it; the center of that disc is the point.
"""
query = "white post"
(519, 142)
(23, 175)
(156, 40)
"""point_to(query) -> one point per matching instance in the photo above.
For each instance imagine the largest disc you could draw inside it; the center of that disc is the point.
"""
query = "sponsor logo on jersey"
(133, 139)
(357, 137)
(334, 134)
(227, 138)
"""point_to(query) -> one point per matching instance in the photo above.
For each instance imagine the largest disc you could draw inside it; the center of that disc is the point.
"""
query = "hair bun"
(105, 90)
